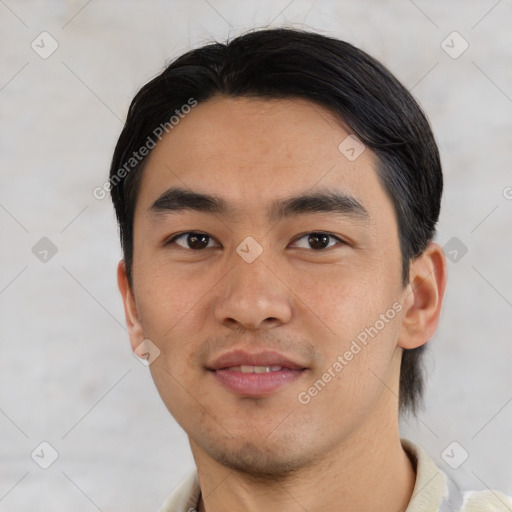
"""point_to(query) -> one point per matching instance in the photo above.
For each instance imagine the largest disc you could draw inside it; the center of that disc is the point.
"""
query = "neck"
(370, 471)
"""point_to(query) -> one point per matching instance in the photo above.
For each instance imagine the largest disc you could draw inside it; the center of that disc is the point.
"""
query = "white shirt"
(433, 491)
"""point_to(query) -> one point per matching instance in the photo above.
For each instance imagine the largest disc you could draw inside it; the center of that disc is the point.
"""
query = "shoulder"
(434, 490)
(185, 497)
(486, 501)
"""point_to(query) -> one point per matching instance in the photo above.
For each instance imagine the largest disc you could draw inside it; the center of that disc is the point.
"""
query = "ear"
(130, 308)
(423, 297)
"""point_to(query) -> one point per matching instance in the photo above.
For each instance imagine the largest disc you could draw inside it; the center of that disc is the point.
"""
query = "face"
(306, 291)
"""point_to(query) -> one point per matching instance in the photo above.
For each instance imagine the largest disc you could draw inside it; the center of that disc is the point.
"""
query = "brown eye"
(318, 241)
(192, 240)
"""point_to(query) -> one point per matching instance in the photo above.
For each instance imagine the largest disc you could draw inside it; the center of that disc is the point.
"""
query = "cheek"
(355, 375)
(166, 297)
(173, 315)
(343, 297)
(177, 391)
(360, 321)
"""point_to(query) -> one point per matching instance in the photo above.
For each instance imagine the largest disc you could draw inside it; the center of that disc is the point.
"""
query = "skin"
(341, 451)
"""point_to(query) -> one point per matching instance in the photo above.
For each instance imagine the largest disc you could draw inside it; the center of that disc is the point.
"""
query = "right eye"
(191, 240)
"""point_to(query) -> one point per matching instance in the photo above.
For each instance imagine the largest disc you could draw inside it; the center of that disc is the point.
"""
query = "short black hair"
(292, 63)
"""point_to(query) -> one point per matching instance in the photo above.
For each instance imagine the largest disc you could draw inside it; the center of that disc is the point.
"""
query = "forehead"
(251, 151)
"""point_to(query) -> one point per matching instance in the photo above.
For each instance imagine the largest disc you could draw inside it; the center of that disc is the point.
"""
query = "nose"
(253, 296)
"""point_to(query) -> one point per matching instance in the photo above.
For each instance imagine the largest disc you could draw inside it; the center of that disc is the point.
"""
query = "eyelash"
(176, 237)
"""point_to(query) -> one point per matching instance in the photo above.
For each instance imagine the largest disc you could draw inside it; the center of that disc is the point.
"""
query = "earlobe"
(423, 297)
(135, 330)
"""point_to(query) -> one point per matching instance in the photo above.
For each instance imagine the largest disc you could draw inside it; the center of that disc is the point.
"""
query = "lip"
(255, 384)
(264, 358)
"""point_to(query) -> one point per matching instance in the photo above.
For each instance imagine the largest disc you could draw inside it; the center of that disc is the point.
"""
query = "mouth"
(254, 369)
(255, 374)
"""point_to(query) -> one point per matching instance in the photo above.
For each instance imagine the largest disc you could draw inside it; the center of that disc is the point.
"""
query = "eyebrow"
(177, 200)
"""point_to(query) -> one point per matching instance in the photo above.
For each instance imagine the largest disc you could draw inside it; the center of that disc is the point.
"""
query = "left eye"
(318, 241)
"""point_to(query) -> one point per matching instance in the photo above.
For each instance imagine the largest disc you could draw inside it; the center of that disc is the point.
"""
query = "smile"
(256, 381)
(254, 369)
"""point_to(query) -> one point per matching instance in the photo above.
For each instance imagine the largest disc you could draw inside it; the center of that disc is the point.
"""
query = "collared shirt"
(433, 491)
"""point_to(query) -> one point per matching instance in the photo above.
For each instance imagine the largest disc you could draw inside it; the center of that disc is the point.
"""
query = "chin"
(259, 461)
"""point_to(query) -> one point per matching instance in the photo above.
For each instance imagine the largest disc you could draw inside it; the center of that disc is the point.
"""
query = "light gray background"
(67, 373)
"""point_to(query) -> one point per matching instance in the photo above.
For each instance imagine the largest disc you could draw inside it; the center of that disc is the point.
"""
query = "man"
(277, 198)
